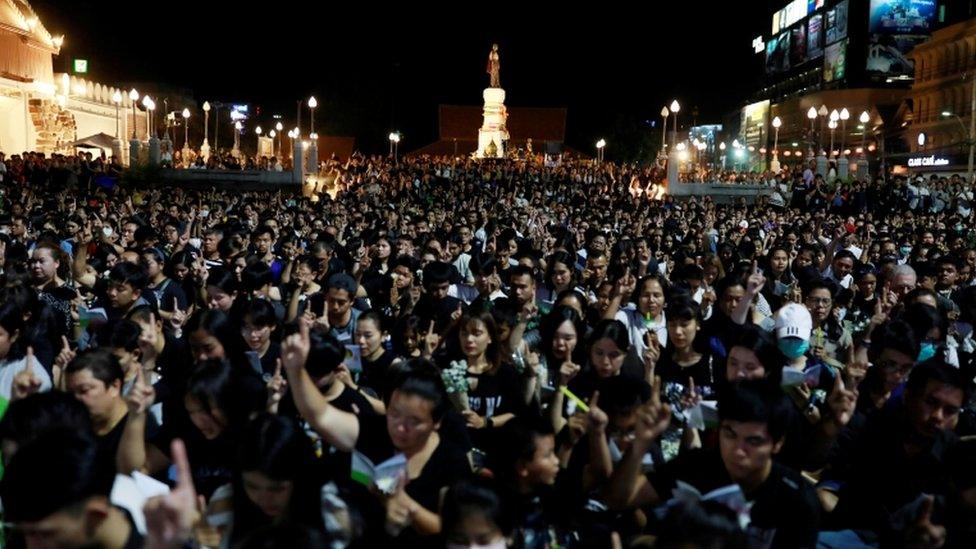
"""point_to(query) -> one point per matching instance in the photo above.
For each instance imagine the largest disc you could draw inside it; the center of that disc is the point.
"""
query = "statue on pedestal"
(494, 67)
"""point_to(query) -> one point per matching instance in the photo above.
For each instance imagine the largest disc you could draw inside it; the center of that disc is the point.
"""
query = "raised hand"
(923, 533)
(654, 417)
(431, 340)
(456, 315)
(170, 518)
(65, 356)
(27, 381)
(567, 372)
(596, 417)
(691, 397)
(756, 280)
(652, 353)
(142, 395)
(294, 350)
(178, 319)
(276, 388)
(841, 403)
(473, 420)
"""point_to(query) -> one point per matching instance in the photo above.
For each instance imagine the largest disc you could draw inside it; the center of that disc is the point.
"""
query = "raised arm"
(341, 429)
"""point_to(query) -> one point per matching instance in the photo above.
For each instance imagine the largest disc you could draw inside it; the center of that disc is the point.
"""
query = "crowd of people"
(467, 353)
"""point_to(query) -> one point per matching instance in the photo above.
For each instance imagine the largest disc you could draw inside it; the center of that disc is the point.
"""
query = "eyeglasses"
(819, 300)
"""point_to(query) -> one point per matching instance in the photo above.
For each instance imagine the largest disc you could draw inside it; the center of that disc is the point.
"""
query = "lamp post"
(257, 149)
(272, 134)
(823, 115)
(812, 116)
(236, 153)
(600, 145)
(145, 103)
(864, 119)
(394, 145)
(675, 108)
(843, 161)
(186, 128)
(312, 103)
(205, 148)
(186, 137)
(133, 98)
(278, 128)
(664, 130)
(833, 126)
(774, 165)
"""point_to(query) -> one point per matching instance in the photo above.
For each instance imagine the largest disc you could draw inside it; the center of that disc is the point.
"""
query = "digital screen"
(815, 36)
(888, 55)
(902, 16)
(835, 61)
(798, 45)
(778, 53)
(836, 25)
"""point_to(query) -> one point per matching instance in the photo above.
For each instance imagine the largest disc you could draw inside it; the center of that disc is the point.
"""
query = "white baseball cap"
(793, 320)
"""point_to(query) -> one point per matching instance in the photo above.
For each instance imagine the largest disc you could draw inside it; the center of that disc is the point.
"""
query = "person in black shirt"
(377, 363)
(902, 452)
(95, 378)
(414, 414)
(754, 417)
(259, 330)
(55, 497)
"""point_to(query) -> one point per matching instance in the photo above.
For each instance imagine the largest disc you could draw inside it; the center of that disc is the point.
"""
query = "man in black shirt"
(902, 452)
(754, 418)
(54, 495)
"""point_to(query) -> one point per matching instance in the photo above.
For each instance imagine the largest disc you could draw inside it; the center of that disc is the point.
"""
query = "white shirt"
(637, 326)
(9, 370)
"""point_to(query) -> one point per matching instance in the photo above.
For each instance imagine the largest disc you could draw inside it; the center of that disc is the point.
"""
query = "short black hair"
(521, 435)
(437, 272)
(759, 401)
(325, 354)
(126, 335)
(256, 275)
(129, 273)
(421, 378)
(261, 312)
(622, 394)
(521, 270)
(937, 369)
(104, 365)
(55, 472)
(28, 418)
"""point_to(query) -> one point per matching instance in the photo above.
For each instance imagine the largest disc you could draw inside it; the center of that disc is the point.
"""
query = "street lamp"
(823, 112)
(237, 138)
(721, 147)
(206, 130)
(675, 108)
(133, 98)
(812, 115)
(599, 149)
(394, 144)
(117, 99)
(844, 116)
(774, 165)
(834, 117)
(312, 103)
(186, 128)
(664, 129)
(864, 119)
(278, 128)
(258, 131)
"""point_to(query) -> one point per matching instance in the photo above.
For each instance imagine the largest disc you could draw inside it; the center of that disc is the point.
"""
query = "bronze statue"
(494, 67)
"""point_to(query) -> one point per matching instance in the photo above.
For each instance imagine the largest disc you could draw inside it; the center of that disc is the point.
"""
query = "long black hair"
(277, 447)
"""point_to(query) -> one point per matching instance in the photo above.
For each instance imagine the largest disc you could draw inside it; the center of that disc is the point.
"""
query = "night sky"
(375, 68)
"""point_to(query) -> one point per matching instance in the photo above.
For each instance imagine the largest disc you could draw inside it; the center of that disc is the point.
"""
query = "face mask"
(905, 250)
(926, 352)
(841, 313)
(793, 347)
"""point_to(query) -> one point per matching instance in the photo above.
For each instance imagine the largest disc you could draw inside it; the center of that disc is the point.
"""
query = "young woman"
(494, 394)
(683, 360)
(411, 426)
(778, 276)
(277, 479)
(560, 276)
(647, 313)
(13, 378)
(260, 332)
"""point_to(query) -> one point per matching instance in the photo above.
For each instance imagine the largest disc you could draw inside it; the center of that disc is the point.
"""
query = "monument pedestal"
(492, 135)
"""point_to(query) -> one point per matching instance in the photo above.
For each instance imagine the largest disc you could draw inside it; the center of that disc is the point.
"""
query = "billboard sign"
(902, 16)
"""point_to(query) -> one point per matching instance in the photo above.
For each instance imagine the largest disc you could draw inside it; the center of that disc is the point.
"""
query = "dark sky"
(374, 67)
